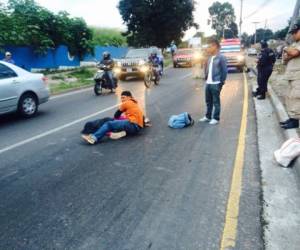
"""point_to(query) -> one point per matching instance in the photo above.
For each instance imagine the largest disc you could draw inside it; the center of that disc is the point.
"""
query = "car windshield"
(185, 52)
(137, 53)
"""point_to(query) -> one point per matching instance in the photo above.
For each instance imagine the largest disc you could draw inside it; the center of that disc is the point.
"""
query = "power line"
(264, 4)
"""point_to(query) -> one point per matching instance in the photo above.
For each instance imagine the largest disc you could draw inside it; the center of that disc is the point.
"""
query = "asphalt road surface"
(163, 189)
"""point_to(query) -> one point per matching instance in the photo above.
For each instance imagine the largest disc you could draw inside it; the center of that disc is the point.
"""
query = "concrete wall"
(57, 58)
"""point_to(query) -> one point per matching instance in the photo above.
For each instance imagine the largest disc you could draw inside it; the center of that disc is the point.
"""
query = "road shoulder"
(281, 195)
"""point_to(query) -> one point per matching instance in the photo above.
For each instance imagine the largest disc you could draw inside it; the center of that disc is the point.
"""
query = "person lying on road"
(133, 123)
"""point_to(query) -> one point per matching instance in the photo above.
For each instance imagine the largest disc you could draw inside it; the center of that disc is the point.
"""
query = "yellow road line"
(232, 213)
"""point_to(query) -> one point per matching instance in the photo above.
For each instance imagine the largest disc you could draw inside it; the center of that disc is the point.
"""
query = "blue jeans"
(116, 126)
(212, 98)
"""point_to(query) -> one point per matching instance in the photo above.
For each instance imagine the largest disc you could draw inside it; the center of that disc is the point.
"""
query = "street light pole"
(241, 18)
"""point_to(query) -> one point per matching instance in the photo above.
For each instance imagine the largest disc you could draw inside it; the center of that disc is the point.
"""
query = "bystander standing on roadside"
(8, 58)
(291, 56)
(265, 64)
(215, 75)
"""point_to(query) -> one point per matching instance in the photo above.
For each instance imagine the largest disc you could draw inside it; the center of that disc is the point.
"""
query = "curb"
(282, 116)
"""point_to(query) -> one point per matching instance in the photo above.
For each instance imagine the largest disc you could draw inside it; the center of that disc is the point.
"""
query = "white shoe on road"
(213, 122)
(117, 135)
(204, 119)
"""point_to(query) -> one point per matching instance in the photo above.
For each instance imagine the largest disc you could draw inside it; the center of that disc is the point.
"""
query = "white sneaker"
(118, 135)
(213, 122)
(204, 119)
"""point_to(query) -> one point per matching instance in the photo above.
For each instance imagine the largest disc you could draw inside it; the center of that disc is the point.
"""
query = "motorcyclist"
(109, 63)
(155, 61)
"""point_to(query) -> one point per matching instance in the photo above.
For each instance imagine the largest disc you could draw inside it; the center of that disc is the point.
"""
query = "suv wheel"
(28, 105)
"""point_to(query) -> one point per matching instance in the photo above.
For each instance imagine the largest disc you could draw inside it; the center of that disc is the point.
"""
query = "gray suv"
(131, 65)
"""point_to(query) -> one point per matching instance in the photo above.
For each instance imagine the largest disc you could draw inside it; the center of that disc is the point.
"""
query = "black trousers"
(263, 75)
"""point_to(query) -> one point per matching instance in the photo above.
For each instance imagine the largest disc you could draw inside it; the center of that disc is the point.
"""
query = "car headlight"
(197, 56)
(241, 58)
(117, 70)
(141, 62)
(144, 69)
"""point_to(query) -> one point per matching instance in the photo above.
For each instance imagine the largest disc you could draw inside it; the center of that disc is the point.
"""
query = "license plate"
(129, 70)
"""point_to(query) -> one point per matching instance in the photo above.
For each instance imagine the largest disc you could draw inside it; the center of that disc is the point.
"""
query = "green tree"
(25, 23)
(222, 19)
(262, 34)
(156, 22)
(106, 37)
(281, 34)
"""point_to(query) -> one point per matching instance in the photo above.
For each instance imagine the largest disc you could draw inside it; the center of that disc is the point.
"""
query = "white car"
(252, 52)
(21, 91)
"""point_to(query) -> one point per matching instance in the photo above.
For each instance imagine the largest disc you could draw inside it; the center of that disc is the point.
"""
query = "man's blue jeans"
(116, 126)
(213, 102)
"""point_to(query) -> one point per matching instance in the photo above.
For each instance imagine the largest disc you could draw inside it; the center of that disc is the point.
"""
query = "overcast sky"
(104, 13)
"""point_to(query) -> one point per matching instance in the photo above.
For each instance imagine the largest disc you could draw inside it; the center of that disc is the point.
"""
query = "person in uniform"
(291, 57)
(265, 64)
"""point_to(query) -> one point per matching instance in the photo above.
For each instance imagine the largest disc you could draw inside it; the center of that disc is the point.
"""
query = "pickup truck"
(232, 50)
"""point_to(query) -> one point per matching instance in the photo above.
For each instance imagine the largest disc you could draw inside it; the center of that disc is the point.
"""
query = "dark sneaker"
(293, 123)
(261, 97)
(285, 122)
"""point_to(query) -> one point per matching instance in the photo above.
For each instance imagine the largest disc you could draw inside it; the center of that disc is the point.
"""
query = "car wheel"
(28, 105)
(174, 65)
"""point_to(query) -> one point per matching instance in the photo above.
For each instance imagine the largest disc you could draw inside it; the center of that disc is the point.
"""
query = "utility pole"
(255, 25)
(241, 18)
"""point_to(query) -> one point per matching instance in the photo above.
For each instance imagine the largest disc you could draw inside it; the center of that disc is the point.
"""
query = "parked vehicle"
(232, 50)
(187, 57)
(102, 81)
(151, 74)
(252, 52)
(131, 65)
(21, 91)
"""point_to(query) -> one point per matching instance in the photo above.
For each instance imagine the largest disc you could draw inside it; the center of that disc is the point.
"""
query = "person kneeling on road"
(132, 125)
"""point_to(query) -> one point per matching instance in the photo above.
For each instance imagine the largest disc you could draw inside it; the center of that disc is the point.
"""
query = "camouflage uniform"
(292, 75)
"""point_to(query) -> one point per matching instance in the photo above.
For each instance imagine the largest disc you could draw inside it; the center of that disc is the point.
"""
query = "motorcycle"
(151, 74)
(102, 81)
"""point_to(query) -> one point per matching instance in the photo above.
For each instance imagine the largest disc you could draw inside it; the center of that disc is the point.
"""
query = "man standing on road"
(8, 58)
(291, 56)
(133, 123)
(265, 63)
(215, 75)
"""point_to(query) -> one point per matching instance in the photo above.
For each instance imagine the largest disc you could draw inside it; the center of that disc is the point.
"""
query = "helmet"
(106, 55)
(264, 44)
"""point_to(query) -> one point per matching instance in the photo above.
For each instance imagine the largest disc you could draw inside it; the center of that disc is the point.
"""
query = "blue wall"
(27, 59)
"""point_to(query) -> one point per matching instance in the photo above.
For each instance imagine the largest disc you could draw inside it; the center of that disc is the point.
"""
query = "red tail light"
(45, 80)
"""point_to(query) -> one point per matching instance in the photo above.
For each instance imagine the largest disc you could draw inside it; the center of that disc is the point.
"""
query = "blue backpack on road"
(181, 121)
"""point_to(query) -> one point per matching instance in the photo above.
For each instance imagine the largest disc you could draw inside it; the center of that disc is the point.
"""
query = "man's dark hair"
(126, 93)
(214, 41)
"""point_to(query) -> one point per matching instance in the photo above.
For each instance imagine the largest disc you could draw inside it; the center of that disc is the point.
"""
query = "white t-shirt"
(210, 70)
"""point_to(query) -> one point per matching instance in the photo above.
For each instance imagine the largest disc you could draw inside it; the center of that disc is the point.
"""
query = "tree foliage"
(25, 23)
(156, 22)
(222, 19)
(106, 37)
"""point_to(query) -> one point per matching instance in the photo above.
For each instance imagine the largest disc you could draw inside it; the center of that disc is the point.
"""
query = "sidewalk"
(280, 186)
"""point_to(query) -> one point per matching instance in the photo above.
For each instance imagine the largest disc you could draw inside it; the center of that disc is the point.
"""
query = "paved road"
(164, 189)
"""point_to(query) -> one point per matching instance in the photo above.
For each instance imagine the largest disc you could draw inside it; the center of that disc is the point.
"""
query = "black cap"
(263, 44)
(295, 28)
(126, 93)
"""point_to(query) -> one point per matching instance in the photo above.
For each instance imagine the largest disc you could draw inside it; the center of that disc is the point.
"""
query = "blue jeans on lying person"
(116, 126)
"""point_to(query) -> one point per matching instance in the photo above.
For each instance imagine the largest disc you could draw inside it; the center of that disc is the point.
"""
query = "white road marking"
(52, 131)
(186, 76)
(71, 93)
